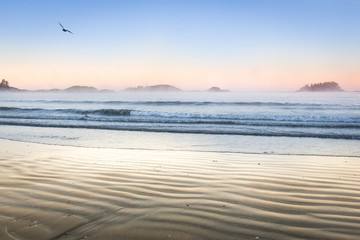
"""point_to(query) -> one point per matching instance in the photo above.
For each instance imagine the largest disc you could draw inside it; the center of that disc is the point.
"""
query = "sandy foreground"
(57, 192)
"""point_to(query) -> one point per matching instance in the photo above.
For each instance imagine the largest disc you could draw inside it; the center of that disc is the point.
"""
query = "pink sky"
(251, 76)
(237, 45)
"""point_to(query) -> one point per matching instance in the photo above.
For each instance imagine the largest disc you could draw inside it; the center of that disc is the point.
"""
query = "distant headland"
(4, 86)
(321, 87)
(314, 87)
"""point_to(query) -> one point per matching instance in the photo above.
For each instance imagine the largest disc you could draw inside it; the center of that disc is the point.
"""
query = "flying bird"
(65, 30)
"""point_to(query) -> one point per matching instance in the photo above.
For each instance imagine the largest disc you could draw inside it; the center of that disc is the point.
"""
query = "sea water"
(246, 122)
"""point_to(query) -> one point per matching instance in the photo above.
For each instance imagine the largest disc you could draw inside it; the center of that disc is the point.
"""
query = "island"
(321, 87)
(80, 89)
(217, 89)
(155, 88)
(4, 86)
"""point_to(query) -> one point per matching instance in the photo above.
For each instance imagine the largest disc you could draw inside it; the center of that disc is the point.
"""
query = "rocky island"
(321, 87)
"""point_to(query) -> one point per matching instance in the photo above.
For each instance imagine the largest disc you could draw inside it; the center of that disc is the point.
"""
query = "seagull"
(65, 30)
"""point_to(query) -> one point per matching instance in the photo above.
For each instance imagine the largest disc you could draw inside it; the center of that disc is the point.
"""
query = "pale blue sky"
(244, 44)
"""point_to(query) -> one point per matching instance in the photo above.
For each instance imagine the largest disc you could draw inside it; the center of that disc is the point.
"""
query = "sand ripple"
(53, 192)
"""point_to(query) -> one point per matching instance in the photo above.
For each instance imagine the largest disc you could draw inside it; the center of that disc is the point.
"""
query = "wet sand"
(56, 192)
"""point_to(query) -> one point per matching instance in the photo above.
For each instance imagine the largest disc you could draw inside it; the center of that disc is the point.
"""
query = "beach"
(191, 165)
(67, 192)
(184, 120)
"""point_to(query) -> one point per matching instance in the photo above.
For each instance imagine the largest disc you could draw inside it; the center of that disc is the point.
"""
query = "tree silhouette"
(318, 87)
(4, 83)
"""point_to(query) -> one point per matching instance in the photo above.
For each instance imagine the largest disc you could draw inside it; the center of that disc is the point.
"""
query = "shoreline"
(187, 150)
(64, 192)
(137, 140)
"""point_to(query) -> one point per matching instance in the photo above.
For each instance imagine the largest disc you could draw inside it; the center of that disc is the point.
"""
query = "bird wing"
(69, 31)
(61, 25)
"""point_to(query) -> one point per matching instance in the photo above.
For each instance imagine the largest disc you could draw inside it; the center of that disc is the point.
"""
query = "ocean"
(293, 123)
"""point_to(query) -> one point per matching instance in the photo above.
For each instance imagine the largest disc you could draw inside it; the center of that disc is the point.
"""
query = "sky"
(191, 44)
